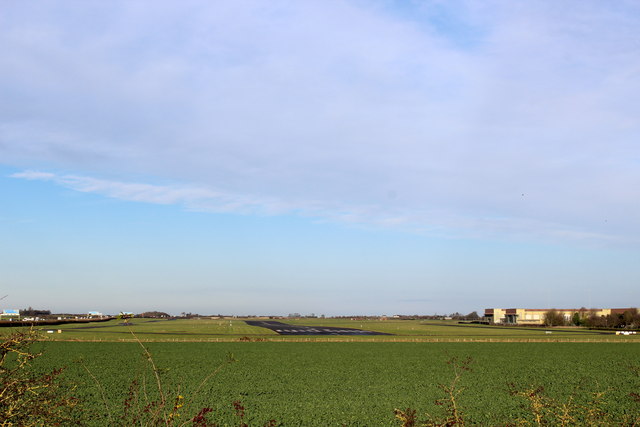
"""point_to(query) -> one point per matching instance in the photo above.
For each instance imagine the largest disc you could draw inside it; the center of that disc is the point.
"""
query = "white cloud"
(34, 175)
(503, 118)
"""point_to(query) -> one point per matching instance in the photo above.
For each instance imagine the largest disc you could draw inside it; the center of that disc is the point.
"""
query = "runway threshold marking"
(286, 329)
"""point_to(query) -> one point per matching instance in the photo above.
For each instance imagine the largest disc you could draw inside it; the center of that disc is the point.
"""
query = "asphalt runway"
(285, 329)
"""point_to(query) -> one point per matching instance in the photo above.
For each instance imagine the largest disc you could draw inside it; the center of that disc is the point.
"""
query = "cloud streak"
(191, 198)
(431, 223)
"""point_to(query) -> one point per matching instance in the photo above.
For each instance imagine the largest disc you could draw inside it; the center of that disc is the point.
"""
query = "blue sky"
(347, 157)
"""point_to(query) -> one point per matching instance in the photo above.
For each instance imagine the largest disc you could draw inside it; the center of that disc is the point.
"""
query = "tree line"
(33, 312)
(629, 319)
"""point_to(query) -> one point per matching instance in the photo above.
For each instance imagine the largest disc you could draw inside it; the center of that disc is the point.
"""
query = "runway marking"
(285, 329)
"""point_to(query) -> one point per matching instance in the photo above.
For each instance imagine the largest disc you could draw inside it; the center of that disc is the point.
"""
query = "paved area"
(285, 329)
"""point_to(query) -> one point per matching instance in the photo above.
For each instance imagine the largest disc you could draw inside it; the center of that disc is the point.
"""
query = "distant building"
(95, 314)
(536, 316)
(10, 313)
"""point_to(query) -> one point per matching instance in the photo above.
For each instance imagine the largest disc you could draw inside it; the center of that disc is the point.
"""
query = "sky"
(327, 157)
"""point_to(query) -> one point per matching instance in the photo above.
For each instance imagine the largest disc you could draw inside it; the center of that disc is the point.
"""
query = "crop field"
(221, 330)
(343, 383)
(339, 380)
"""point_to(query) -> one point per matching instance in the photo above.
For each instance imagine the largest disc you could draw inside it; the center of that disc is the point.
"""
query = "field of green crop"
(359, 383)
(216, 330)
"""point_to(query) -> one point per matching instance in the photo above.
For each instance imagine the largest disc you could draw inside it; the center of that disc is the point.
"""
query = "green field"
(310, 381)
(217, 330)
(324, 384)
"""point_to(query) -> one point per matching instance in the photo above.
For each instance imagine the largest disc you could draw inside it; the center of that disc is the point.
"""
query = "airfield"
(341, 371)
(315, 329)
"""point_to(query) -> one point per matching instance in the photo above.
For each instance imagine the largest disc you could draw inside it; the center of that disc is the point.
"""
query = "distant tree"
(473, 315)
(155, 314)
(32, 312)
(628, 318)
(635, 319)
(595, 321)
(577, 319)
(553, 318)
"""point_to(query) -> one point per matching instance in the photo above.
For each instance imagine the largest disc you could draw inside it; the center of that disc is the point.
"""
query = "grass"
(156, 330)
(221, 330)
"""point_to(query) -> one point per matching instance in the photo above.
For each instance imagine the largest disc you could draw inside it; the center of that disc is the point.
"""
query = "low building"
(536, 316)
(10, 314)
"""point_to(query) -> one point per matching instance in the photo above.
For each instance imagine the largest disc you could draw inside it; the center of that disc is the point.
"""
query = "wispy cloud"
(34, 175)
(190, 197)
(430, 223)
(457, 119)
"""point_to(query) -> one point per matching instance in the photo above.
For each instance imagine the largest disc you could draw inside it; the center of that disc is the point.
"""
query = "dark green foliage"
(320, 384)
(32, 312)
(576, 319)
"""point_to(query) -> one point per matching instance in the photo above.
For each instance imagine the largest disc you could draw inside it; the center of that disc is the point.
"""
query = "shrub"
(28, 398)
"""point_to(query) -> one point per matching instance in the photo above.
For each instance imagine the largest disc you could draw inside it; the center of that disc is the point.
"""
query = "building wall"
(495, 315)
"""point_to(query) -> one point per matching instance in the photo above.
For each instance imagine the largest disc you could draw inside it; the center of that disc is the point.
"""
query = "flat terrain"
(350, 383)
(314, 380)
(223, 330)
(285, 329)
